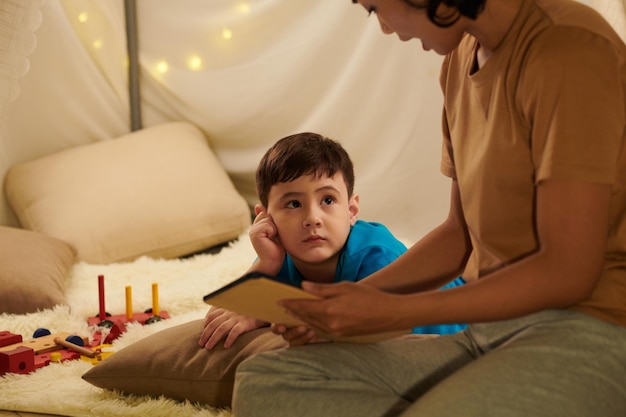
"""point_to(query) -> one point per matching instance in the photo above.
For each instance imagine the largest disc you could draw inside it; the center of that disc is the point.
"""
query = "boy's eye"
(294, 204)
(328, 201)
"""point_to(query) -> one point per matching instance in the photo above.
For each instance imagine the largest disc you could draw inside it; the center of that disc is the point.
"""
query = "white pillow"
(159, 192)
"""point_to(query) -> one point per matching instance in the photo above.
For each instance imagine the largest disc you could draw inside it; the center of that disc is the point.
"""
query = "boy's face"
(313, 217)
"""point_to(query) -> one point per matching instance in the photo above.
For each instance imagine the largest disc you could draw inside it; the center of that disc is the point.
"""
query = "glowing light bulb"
(227, 33)
(83, 17)
(97, 44)
(195, 63)
(243, 8)
(162, 67)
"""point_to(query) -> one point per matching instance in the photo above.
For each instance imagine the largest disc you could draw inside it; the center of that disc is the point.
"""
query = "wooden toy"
(43, 343)
(18, 356)
(117, 323)
(102, 352)
(19, 360)
(61, 355)
(8, 338)
(76, 348)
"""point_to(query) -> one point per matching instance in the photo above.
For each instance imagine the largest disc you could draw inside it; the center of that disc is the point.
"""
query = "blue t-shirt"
(443, 328)
(370, 247)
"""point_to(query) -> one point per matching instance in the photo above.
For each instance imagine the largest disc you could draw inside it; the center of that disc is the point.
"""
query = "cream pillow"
(159, 192)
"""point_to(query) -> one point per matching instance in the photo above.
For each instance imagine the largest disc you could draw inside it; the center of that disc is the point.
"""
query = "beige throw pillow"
(158, 192)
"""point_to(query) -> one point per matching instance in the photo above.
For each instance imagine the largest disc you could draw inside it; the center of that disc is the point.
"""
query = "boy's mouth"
(314, 238)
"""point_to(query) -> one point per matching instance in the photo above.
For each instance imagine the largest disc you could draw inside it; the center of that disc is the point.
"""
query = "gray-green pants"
(553, 363)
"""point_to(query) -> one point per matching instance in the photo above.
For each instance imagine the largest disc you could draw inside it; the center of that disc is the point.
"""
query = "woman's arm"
(572, 229)
(438, 258)
(572, 222)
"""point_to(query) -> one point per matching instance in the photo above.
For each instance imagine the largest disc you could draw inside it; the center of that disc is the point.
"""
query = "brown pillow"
(170, 363)
(33, 268)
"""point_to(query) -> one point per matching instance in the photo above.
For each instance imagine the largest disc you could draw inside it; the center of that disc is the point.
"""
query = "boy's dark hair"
(302, 154)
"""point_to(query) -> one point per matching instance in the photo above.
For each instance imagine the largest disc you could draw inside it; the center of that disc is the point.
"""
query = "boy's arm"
(224, 324)
(221, 324)
(438, 258)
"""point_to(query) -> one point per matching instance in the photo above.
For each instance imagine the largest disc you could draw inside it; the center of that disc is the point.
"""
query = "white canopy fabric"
(247, 72)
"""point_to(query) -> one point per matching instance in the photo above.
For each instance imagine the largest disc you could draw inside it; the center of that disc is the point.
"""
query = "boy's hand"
(266, 243)
(220, 323)
(297, 335)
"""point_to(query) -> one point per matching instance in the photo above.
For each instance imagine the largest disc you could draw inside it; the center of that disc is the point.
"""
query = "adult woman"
(534, 125)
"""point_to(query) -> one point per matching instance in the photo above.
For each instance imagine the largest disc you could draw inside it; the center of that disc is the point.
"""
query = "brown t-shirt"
(549, 103)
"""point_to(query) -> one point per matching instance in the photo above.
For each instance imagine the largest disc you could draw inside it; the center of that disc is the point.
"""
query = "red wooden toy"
(117, 323)
(22, 357)
(20, 360)
(8, 338)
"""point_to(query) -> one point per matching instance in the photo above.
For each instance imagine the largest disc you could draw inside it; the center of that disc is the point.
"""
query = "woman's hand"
(224, 324)
(345, 309)
(297, 335)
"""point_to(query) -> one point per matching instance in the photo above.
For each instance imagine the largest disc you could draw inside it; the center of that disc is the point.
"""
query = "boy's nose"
(312, 219)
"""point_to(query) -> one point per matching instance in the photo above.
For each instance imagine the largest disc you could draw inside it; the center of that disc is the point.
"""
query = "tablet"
(256, 295)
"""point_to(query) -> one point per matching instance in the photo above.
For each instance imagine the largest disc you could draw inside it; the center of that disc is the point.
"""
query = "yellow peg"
(155, 299)
(129, 302)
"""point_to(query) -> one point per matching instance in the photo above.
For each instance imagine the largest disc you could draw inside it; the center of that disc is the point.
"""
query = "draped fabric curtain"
(247, 72)
(18, 22)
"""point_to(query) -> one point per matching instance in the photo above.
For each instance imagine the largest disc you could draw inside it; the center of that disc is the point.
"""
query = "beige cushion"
(159, 192)
(171, 363)
(33, 268)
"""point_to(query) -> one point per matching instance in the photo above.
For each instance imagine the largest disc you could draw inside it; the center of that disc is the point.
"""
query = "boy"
(306, 227)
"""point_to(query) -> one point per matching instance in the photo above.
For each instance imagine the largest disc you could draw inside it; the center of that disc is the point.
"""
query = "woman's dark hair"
(467, 8)
(302, 154)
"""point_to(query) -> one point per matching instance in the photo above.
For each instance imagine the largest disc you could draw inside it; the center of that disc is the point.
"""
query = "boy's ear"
(353, 207)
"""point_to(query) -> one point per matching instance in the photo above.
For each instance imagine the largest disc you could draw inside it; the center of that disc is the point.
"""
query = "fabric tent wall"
(247, 73)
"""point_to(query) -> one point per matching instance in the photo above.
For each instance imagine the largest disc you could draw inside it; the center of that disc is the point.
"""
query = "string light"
(227, 34)
(195, 63)
(162, 67)
(243, 8)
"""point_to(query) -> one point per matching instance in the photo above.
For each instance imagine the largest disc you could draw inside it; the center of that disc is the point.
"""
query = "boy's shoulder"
(362, 227)
(370, 247)
(366, 235)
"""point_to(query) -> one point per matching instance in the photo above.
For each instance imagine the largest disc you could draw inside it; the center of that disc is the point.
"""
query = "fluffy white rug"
(59, 388)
